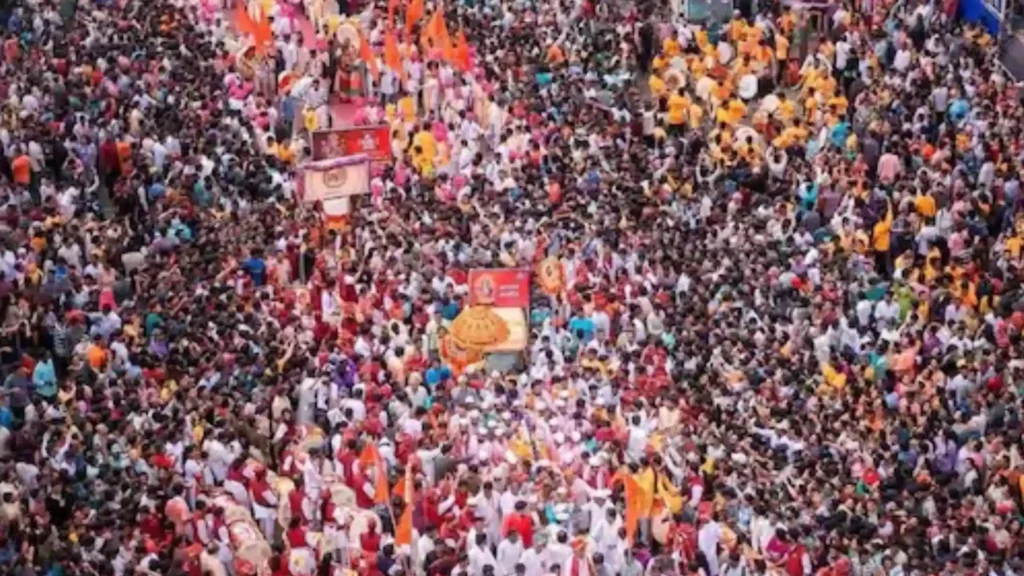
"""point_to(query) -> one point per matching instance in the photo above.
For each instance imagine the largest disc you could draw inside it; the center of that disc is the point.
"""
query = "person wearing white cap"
(488, 508)
(595, 474)
(484, 446)
(596, 506)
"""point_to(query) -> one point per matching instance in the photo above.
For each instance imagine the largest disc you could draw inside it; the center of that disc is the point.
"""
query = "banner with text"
(374, 141)
(499, 287)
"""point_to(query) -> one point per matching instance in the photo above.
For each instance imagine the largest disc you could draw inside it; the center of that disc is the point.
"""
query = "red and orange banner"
(374, 141)
(499, 287)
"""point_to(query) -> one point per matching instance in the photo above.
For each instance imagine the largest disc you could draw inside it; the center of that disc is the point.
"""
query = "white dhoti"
(265, 517)
(431, 101)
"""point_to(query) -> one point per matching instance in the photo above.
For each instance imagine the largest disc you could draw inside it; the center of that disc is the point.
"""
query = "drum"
(769, 104)
(674, 79)
(341, 495)
(725, 53)
(704, 87)
(748, 87)
(233, 512)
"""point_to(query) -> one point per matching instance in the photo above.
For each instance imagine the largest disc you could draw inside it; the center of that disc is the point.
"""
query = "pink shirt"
(888, 167)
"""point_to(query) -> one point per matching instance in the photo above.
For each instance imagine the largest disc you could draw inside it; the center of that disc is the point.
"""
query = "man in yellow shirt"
(678, 105)
(881, 243)
(736, 110)
(781, 57)
(309, 120)
(1013, 246)
(657, 86)
(696, 115)
(670, 46)
(925, 204)
(407, 108)
(424, 139)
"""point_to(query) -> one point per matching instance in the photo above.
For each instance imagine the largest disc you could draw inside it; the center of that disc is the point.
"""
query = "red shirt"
(370, 542)
(348, 459)
(297, 537)
(295, 503)
(522, 524)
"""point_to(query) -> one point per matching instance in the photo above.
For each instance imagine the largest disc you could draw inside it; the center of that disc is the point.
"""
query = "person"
(578, 564)
(510, 551)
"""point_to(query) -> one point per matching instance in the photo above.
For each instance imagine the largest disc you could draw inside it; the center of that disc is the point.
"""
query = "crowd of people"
(788, 339)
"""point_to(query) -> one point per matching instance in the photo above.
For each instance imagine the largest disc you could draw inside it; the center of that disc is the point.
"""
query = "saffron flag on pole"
(243, 22)
(403, 530)
(461, 52)
(392, 55)
(437, 30)
(366, 55)
(413, 14)
(370, 458)
(258, 29)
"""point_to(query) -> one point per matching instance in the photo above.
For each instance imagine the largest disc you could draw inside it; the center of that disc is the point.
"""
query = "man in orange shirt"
(96, 354)
(21, 168)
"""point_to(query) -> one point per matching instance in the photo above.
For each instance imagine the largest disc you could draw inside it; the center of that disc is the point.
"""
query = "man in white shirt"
(480, 556)
(708, 537)
(488, 509)
(509, 552)
(533, 558)
(637, 442)
(886, 312)
(509, 497)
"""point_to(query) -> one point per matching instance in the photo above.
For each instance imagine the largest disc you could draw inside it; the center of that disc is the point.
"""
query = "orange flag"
(392, 6)
(633, 497)
(370, 458)
(436, 27)
(403, 531)
(264, 36)
(366, 55)
(448, 51)
(461, 52)
(413, 14)
(392, 56)
(258, 29)
(437, 31)
(244, 22)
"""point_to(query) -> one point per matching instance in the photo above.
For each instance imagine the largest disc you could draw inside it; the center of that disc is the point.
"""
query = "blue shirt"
(257, 269)
(156, 190)
(45, 378)
(435, 376)
(958, 109)
(450, 310)
(839, 134)
(584, 327)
